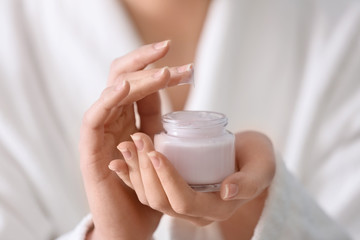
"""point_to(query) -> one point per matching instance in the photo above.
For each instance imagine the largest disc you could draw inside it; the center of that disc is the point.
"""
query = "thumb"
(241, 185)
(256, 160)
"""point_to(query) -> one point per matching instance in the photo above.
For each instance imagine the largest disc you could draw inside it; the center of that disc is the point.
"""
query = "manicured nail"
(113, 168)
(161, 45)
(159, 73)
(125, 152)
(138, 142)
(154, 159)
(231, 190)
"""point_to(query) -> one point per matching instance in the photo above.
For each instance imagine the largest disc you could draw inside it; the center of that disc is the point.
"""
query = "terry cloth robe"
(287, 68)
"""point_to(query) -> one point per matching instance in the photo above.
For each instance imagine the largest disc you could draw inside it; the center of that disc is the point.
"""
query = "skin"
(129, 185)
(129, 192)
(178, 20)
(115, 208)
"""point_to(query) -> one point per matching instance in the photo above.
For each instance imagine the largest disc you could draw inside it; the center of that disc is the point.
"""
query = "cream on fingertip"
(185, 68)
(188, 68)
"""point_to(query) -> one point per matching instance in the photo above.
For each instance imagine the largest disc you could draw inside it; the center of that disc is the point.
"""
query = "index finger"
(138, 59)
(186, 201)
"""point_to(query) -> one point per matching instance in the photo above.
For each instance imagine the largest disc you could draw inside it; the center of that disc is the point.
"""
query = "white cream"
(199, 147)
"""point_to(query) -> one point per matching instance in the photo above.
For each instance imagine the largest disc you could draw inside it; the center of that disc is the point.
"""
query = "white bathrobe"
(288, 68)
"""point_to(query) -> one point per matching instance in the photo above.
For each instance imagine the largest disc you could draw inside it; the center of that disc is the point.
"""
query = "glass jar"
(199, 147)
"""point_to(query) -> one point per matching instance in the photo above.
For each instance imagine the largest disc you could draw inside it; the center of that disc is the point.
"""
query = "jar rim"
(194, 119)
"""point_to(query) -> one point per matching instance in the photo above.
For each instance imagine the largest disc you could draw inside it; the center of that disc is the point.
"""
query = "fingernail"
(161, 45)
(159, 73)
(185, 68)
(111, 167)
(188, 79)
(231, 190)
(138, 142)
(154, 159)
(125, 152)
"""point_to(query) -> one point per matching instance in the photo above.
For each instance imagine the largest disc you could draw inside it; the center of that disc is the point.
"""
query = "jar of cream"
(199, 147)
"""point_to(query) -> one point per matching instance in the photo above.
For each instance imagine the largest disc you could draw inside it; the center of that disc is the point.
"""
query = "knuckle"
(120, 78)
(164, 79)
(137, 60)
(141, 196)
(224, 215)
(143, 200)
(250, 189)
(87, 118)
(160, 206)
(199, 222)
(182, 208)
(115, 63)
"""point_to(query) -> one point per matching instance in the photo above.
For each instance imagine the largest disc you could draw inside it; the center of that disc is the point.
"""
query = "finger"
(256, 159)
(138, 59)
(186, 201)
(154, 192)
(180, 195)
(181, 75)
(178, 75)
(129, 153)
(94, 118)
(156, 197)
(125, 114)
(149, 108)
(146, 82)
(120, 167)
(109, 99)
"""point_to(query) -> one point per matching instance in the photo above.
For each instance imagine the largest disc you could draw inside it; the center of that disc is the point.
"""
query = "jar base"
(206, 187)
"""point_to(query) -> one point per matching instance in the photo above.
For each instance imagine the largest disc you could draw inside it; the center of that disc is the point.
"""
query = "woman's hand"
(158, 185)
(116, 211)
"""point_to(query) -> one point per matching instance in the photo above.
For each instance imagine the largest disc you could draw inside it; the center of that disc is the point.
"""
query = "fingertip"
(229, 191)
(117, 166)
(162, 45)
(181, 75)
(141, 136)
(112, 167)
(138, 141)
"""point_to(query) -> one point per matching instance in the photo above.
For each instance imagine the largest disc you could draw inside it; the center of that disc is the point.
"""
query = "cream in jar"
(199, 147)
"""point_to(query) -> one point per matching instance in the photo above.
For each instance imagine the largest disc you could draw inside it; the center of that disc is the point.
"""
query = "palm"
(117, 212)
(117, 128)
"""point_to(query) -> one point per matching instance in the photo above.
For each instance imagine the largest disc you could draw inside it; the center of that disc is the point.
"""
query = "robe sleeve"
(80, 231)
(20, 211)
(22, 215)
(290, 213)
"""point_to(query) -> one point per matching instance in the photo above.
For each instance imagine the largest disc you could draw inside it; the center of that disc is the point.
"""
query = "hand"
(116, 211)
(158, 185)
